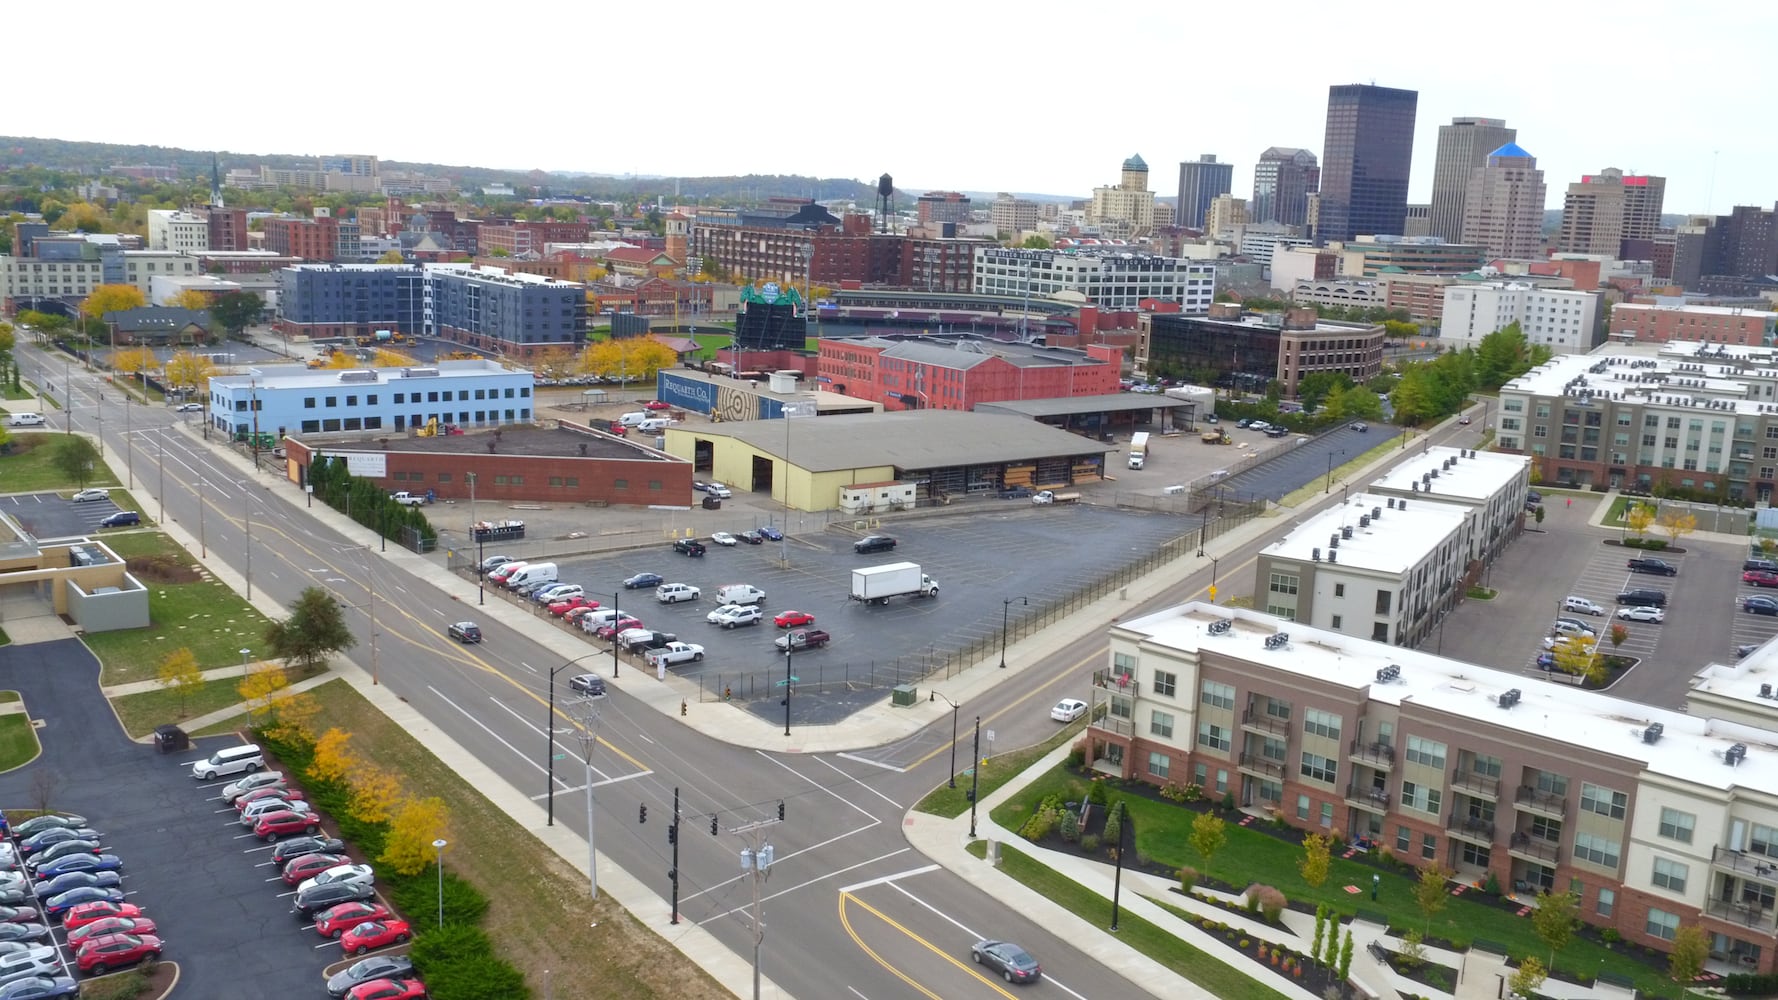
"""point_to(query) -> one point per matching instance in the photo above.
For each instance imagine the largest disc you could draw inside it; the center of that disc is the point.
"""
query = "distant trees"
(236, 311)
(111, 298)
(74, 457)
(1504, 355)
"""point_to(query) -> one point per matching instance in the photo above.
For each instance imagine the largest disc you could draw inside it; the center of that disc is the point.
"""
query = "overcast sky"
(1040, 97)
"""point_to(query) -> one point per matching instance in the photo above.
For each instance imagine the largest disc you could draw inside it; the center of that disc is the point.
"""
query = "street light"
(788, 681)
(439, 846)
(954, 707)
(1213, 565)
(549, 735)
(1005, 608)
(1330, 457)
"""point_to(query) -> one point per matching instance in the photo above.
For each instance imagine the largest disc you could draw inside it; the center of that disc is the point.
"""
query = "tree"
(1554, 919)
(1312, 389)
(392, 257)
(1209, 834)
(375, 793)
(1504, 355)
(293, 713)
(1637, 517)
(1346, 956)
(75, 457)
(111, 298)
(1317, 857)
(260, 686)
(236, 311)
(1685, 961)
(190, 298)
(133, 360)
(1035, 242)
(1580, 658)
(1618, 634)
(416, 824)
(1678, 525)
(1431, 893)
(1354, 403)
(315, 629)
(179, 673)
(333, 758)
(1320, 929)
(1527, 978)
(190, 372)
(1537, 515)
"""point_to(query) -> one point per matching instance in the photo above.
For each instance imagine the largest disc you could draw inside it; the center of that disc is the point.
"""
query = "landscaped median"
(18, 740)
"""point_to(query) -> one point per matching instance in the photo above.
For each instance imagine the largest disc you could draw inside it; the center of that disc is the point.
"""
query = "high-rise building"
(1463, 146)
(1283, 179)
(1603, 210)
(942, 206)
(1503, 208)
(1012, 216)
(1368, 150)
(1126, 209)
(1225, 213)
(1200, 181)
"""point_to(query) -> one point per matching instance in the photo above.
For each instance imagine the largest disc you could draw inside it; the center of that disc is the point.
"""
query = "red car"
(1760, 578)
(655, 404)
(561, 608)
(85, 913)
(286, 794)
(110, 925)
(607, 631)
(283, 823)
(337, 920)
(388, 989)
(99, 955)
(373, 934)
(791, 619)
(310, 865)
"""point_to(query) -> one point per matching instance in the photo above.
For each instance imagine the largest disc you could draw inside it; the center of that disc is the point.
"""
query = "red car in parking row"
(101, 909)
(374, 934)
(335, 921)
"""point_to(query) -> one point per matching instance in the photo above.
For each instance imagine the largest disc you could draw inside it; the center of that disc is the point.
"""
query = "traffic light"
(780, 812)
(712, 826)
(672, 833)
(642, 813)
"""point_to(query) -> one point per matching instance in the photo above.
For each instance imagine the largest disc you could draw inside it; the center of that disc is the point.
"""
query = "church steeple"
(215, 183)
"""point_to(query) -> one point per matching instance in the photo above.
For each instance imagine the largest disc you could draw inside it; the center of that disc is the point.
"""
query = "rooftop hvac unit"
(1377, 513)
(1221, 626)
(1391, 503)
(1652, 734)
(1332, 556)
(1364, 520)
(1401, 504)
(1734, 755)
(1508, 698)
(1278, 641)
(1389, 673)
(1765, 690)
(1346, 531)
(1315, 555)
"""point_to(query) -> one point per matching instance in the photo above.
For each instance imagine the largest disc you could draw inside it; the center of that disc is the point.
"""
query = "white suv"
(673, 593)
(747, 615)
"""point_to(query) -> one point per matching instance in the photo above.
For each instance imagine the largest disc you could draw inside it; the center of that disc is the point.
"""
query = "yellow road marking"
(928, 945)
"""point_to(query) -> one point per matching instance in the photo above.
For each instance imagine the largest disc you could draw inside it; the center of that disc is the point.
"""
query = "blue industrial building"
(395, 400)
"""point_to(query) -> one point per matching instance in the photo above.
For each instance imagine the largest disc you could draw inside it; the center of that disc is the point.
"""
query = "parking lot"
(1013, 552)
(184, 863)
(53, 515)
(1703, 621)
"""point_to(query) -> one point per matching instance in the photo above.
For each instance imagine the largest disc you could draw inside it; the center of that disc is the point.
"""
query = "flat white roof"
(1699, 310)
(1472, 477)
(1681, 372)
(1394, 543)
(275, 377)
(1691, 749)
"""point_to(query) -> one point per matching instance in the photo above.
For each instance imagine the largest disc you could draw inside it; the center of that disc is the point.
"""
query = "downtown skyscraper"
(1283, 180)
(1463, 146)
(1365, 161)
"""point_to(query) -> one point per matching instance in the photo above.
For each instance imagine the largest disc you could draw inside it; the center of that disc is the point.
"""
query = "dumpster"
(171, 739)
(712, 503)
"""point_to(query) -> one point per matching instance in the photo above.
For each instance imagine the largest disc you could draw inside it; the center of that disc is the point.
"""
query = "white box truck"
(1138, 449)
(876, 584)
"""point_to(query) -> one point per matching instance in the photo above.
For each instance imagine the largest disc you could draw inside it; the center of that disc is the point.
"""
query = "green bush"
(441, 946)
(1114, 824)
(1228, 801)
(1070, 825)
(1188, 878)
(475, 977)
(1097, 794)
(1089, 842)
(417, 896)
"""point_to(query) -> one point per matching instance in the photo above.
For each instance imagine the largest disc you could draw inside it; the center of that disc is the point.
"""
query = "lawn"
(15, 394)
(1163, 833)
(1201, 967)
(141, 712)
(538, 915)
(18, 741)
(184, 609)
(27, 466)
(952, 802)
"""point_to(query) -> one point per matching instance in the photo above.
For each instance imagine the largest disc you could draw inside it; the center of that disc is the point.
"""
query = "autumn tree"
(1209, 834)
(111, 298)
(1677, 525)
(190, 371)
(1317, 858)
(1638, 517)
(333, 758)
(417, 823)
(315, 630)
(133, 361)
(260, 686)
(1579, 657)
(293, 715)
(74, 457)
(1431, 892)
(1554, 920)
(1618, 634)
(1685, 960)
(178, 672)
(189, 298)
(1527, 977)
(375, 794)
(392, 257)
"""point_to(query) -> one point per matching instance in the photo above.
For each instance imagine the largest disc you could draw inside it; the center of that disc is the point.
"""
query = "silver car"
(252, 782)
(250, 815)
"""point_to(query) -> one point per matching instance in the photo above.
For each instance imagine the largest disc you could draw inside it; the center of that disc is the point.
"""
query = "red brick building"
(527, 237)
(228, 227)
(315, 239)
(959, 373)
(1649, 323)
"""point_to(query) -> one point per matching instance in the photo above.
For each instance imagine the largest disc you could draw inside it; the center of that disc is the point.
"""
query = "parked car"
(300, 870)
(465, 632)
(43, 840)
(673, 593)
(802, 638)
(745, 614)
(1744, 649)
(1767, 565)
(719, 491)
(285, 823)
(493, 563)
(296, 847)
(752, 537)
(655, 404)
(346, 873)
(1642, 614)
(11, 932)
(688, 546)
(715, 616)
(1659, 567)
(1568, 626)
(1011, 961)
(121, 519)
(591, 685)
(722, 538)
(373, 934)
(80, 863)
(337, 920)
(321, 897)
(771, 533)
(643, 581)
(20, 914)
(1656, 599)
(278, 792)
(188, 408)
(1068, 709)
(560, 609)
(791, 619)
(264, 807)
(554, 592)
(873, 543)
(88, 495)
(1760, 605)
(1760, 578)
(1362, 427)
(55, 906)
(31, 962)
(612, 629)
(38, 824)
(366, 971)
(1580, 605)
(675, 652)
(50, 987)
(388, 989)
(50, 888)
(86, 913)
(252, 782)
(101, 954)
(110, 925)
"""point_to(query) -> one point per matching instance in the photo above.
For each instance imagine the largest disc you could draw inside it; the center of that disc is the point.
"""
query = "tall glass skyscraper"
(1283, 180)
(1200, 182)
(1366, 157)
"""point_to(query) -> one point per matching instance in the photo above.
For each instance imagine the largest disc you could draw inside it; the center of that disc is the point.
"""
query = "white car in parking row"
(347, 874)
(1642, 614)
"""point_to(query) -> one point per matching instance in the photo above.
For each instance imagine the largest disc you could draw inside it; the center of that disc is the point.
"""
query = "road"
(848, 900)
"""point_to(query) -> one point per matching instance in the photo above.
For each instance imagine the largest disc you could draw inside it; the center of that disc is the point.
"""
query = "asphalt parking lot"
(183, 862)
(52, 515)
(1307, 462)
(1703, 622)
(1013, 552)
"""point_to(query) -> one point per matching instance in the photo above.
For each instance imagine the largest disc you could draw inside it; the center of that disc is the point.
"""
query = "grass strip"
(142, 711)
(203, 615)
(18, 741)
(29, 466)
(953, 802)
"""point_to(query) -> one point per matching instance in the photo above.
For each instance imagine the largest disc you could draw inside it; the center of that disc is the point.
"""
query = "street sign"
(794, 679)
(1212, 592)
(558, 756)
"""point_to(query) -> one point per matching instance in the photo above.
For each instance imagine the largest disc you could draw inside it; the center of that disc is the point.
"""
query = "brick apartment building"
(1649, 323)
(958, 373)
(315, 239)
(527, 237)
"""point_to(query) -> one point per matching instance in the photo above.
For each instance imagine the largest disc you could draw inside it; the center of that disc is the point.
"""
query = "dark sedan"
(374, 967)
(37, 824)
(296, 847)
(80, 863)
(1760, 605)
(328, 894)
(55, 835)
(1008, 959)
(643, 581)
(58, 905)
(41, 988)
(22, 932)
(752, 537)
(77, 880)
(873, 543)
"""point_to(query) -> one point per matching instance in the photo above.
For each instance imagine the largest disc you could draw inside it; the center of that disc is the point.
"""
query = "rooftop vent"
(1346, 531)
(1334, 541)
(1402, 504)
(1377, 512)
(1652, 732)
(1221, 626)
(419, 373)
(1508, 698)
(1278, 641)
(1364, 520)
(1765, 690)
(1391, 503)
(1315, 555)
(1389, 673)
(1332, 556)
(1734, 755)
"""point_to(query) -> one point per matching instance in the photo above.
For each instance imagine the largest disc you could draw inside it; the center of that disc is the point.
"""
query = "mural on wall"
(733, 403)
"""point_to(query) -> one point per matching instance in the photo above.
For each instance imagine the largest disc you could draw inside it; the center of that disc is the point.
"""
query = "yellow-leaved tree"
(1677, 525)
(133, 361)
(111, 298)
(1580, 658)
(178, 672)
(260, 687)
(1637, 517)
(294, 713)
(391, 257)
(190, 372)
(189, 298)
(417, 823)
(333, 758)
(375, 793)
(648, 356)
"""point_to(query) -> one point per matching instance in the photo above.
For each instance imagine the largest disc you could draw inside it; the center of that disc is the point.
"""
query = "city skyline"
(1674, 115)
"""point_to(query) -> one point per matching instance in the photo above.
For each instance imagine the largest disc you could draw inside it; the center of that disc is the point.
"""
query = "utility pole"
(975, 774)
(1117, 880)
(160, 461)
(129, 452)
(757, 862)
(589, 737)
(673, 838)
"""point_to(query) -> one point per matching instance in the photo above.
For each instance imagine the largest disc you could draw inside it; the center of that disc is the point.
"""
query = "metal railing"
(1471, 783)
(1469, 826)
(1373, 754)
(1531, 797)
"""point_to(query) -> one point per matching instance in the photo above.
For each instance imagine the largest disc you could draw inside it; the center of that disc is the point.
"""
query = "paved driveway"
(1310, 462)
(182, 864)
(51, 515)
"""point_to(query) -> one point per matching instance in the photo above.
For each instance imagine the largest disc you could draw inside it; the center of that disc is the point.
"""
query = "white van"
(25, 420)
(636, 419)
(653, 425)
(501, 573)
(543, 572)
(740, 593)
(233, 760)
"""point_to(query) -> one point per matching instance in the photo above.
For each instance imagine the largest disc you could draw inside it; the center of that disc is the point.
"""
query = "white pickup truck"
(675, 652)
(407, 499)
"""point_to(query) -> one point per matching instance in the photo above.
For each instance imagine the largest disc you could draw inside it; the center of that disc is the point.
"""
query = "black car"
(54, 835)
(873, 543)
(121, 519)
(1244, 422)
(296, 847)
(1760, 566)
(1656, 599)
(316, 898)
(1361, 427)
(689, 546)
(40, 988)
(592, 685)
(1011, 961)
(752, 537)
(1659, 567)
(363, 971)
(50, 888)
(39, 823)
(1760, 606)
(465, 632)
(643, 581)
(1532, 496)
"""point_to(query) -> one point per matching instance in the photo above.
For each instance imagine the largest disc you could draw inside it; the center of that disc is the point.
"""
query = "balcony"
(1113, 724)
(1378, 755)
(1478, 786)
(1469, 828)
(1367, 797)
(1536, 800)
(1262, 765)
(1529, 848)
(1260, 722)
(1760, 866)
(1121, 683)
(1744, 913)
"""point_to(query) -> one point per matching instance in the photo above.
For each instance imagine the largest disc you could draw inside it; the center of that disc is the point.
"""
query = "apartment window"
(1596, 849)
(332, 401)
(1165, 684)
(1213, 736)
(1603, 801)
(1487, 767)
(1420, 797)
(1404, 840)
(1384, 599)
(1380, 632)
(1339, 590)
(1676, 825)
(1319, 723)
(1283, 584)
(400, 398)
(1123, 663)
(1302, 807)
(620, 484)
(1607, 902)
(308, 402)
(1158, 763)
(1217, 695)
(1428, 846)
(1544, 828)
(1160, 724)
(1424, 751)
(1662, 924)
(1222, 781)
(1335, 624)
(1327, 814)
(1670, 875)
(1318, 768)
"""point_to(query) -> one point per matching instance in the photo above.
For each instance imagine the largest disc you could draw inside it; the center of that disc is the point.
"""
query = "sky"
(1039, 97)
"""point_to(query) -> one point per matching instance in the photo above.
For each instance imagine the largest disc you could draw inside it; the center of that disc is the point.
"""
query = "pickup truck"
(675, 652)
(1655, 566)
(803, 638)
(407, 499)
(1051, 496)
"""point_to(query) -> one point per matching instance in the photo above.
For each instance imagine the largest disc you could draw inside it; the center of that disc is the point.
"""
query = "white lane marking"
(484, 727)
(600, 784)
(972, 934)
(861, 784)
(805, 885)
(854, 887)
(822, 788)
(873, 763)
(553, 742)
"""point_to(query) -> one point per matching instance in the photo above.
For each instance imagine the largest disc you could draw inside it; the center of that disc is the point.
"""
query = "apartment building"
(1422, 296)
(1111, 280)
(502, 311)
(180, 231)
(942, 206)
(1643, 322)
(1655, 819)
(316, 239)
(1561, 319)
(1692, 416)
(1601, 211)
(322, 301)
(1011, 216)
(1491, 485)
(516, 238)
(1369, 256)
(1229, 347)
